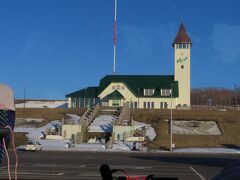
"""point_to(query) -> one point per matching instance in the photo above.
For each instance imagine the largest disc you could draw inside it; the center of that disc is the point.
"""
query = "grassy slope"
(229, 123)
(47, 114)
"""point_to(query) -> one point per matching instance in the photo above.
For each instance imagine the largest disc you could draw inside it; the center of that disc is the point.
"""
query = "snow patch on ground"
(41, 104)
(102, 123)
(150, 132)
(196, 127)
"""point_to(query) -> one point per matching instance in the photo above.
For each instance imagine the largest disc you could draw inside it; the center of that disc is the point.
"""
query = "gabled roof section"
(137, 83)
(115, 95)
(89, 92)
(182, 36)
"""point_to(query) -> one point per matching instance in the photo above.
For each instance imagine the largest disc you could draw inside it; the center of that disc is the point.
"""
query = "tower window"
(184, 46)
(180, 46)
(182, 66)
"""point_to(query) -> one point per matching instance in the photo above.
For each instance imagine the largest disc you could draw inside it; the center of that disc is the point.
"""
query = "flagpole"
(115, 38)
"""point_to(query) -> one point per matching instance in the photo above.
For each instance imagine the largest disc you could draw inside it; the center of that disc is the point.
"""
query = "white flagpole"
(115, 38)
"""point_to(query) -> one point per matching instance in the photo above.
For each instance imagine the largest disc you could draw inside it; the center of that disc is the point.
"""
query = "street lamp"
(236, 100)
(24, 97)
(171, 138)
(138, 98)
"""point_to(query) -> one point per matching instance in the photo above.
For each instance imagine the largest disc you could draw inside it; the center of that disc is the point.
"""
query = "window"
(91, 103)
(115, 103)
(122, 87)
(182, 66)
(73, 102)
(77, 102)
(113, 87)
(149, 105)
(144, 105)
(161, 105)
(165, 105)
(153, 105)
(131, 105)
(180, 46)
(148, 92)
(118, 136)
(135, 104)
(82, 102)
(165, 92)
(118, 87)
(184, 46)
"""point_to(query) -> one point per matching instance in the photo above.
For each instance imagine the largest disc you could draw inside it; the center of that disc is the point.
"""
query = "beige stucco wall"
(125, 92)
(69, 129)
(125, 133)
(121, 130)
(182, 75)
(129, 97)
(157, 102)
(69, 102)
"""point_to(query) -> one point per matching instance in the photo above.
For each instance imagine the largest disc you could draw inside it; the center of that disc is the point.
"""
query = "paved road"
(85, 165)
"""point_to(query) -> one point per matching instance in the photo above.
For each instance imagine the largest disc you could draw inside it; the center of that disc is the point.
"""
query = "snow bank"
(150, 132)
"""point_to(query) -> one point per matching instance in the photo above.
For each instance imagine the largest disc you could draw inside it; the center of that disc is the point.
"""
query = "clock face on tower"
(182, 58)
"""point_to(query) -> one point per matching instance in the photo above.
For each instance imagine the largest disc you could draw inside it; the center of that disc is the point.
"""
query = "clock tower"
(182, 46)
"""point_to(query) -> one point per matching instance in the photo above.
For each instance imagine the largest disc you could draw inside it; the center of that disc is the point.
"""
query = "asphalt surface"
(85, 165)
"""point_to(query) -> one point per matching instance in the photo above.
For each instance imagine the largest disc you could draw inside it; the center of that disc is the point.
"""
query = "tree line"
(215, 96)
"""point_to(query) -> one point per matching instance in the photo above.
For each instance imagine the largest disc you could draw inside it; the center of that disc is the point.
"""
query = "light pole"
(138, 98)
(236, 100)
(171, 138)
(24, 97)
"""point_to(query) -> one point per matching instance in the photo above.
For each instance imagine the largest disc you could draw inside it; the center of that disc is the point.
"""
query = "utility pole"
(24, 97)
(236, 100)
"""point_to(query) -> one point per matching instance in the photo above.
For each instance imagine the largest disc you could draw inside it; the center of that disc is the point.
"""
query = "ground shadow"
(232, 146)
(194, 159)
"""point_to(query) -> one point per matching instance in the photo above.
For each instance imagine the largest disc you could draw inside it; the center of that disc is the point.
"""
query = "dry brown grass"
(229, 123)
(47, 114)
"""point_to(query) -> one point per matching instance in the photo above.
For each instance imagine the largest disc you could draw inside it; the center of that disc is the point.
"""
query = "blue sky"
(54, 47)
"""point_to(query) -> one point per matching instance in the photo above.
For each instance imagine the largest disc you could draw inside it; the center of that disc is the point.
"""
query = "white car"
(33, 146)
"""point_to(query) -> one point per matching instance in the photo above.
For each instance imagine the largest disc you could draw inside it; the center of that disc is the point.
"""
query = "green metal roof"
(115, 95)
(89, 92)
(137, 83)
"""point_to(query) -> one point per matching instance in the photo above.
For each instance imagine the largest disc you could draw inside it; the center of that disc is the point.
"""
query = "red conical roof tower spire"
(182, 36)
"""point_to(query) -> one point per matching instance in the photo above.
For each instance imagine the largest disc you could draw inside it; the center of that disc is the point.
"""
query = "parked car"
(33, 146)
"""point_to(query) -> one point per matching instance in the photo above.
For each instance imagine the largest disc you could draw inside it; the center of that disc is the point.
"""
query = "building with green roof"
(143, 91)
